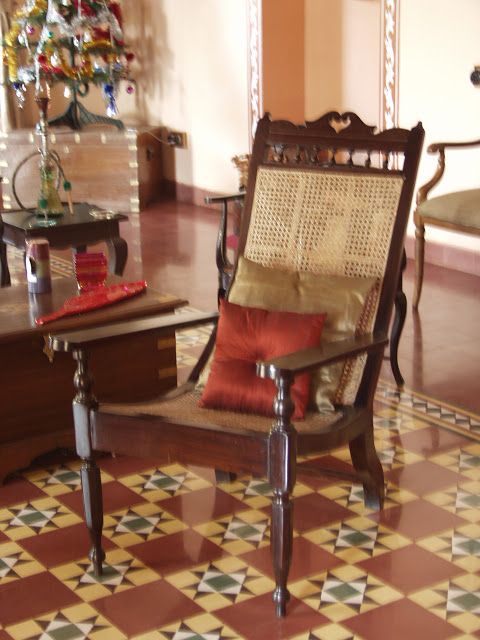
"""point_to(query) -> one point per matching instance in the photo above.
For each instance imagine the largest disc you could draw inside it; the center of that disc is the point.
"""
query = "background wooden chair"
(457, 211)
(325, 207)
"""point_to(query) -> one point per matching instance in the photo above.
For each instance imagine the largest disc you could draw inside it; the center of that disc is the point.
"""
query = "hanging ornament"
(130, 89)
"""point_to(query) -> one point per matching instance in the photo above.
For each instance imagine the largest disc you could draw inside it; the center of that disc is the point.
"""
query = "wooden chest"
(120, 170)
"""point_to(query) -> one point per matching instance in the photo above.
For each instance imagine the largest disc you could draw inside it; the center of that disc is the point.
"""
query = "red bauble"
(115, 8)
(42, 58)
(130, 56)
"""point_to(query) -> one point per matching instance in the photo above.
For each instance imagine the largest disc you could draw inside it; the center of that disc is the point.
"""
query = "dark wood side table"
(37, 394)
(77, 230)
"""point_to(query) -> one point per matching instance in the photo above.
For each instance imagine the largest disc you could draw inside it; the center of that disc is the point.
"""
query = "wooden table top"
(31, 224)
(18, 309)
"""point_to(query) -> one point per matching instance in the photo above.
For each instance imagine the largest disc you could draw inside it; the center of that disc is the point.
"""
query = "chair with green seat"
(321, 240)
(458, 211)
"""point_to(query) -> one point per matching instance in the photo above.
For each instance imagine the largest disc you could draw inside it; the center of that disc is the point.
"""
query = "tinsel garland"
(80, 41)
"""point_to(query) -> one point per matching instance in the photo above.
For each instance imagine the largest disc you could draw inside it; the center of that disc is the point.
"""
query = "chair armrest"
(224, 266)
(230, 198)
(310, 359)
(440, 147)
(72, 340)
(435, 147)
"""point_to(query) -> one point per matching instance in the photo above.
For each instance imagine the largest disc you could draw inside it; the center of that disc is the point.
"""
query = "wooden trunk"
(120, 170)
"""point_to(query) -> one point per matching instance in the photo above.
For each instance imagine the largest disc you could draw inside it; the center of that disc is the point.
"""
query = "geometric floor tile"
(460, 546)
(16, 563)
(457, 601)
(80, 622)
(121, 571)
(356, 539)
(189, 559)
(221, 583)
(57, 480)
(202, 627)
(36, 517)
(238, 533)
(465, 461)
(343, 592)
(464, 500)
(139, 524)
(158, 484)
(257, 492)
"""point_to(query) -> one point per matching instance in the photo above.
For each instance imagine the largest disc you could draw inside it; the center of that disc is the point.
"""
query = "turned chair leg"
(282, 459)
(419, 261)
(93, 506)
(367, 464)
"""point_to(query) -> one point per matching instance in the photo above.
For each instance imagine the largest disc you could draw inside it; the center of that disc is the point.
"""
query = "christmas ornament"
(74, 42)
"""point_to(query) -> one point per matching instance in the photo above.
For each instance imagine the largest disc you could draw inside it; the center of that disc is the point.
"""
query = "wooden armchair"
(323, 228)
(457, 211)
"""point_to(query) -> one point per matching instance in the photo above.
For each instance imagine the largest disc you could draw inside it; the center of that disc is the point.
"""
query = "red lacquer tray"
(100, 297)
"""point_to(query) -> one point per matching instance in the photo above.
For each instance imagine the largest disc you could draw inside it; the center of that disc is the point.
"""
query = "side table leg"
(4, 270)
(117, 255)
(398, 322)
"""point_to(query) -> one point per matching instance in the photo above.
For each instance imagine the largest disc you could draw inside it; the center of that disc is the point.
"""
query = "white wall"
(191, 69)
(343, 57)
(439, 46)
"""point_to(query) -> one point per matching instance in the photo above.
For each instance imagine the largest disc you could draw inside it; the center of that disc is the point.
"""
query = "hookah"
(49, 206)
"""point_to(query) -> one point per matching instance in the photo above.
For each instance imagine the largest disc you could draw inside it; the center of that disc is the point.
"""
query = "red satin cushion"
(246, 335)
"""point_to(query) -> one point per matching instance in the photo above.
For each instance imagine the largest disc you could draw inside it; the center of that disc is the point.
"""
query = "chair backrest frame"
(343, 144)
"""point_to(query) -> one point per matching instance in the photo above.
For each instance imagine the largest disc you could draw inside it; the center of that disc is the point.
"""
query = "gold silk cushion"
(348, 302)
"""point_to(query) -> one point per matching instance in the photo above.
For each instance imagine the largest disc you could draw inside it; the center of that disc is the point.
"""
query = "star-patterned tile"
(190, 559)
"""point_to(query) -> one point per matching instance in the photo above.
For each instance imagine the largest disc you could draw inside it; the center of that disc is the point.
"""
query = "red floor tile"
(410, 568)
(176, 551)
(146, 608)
(202, 506)
(255, 619)
(417, 519)
(115, 496)
(62, 545)
(17, 490)
(431, 440)
(307, 558)
(119, 466)
(29, 597)
(313, 510)
(423, 477)
(401, 620)
(324, 464)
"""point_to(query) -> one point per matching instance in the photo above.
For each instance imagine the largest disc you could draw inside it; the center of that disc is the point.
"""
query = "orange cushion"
(246, 335)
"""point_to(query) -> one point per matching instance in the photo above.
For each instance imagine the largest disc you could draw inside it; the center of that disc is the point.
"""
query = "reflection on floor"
(189, 560)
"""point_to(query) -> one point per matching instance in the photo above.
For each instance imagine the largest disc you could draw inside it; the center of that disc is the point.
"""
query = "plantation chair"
(458, 211)
(323, 228)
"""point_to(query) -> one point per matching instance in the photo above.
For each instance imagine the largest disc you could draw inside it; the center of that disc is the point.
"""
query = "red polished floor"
(188, 559)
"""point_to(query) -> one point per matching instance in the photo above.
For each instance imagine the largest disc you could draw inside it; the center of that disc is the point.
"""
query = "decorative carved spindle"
(281, 475)
(386, 159)
(83, 402)
(350, 158)
(368, 160)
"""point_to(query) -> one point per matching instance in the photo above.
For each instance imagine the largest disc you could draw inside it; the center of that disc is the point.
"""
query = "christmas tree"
(74, 42)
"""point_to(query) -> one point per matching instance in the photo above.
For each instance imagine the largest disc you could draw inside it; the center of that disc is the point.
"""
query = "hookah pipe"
(49, 201)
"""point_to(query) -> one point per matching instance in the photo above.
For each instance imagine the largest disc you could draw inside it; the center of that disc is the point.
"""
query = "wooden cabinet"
(120, 170)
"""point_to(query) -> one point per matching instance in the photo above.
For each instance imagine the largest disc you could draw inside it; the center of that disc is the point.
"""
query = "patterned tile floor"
(189, 560)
